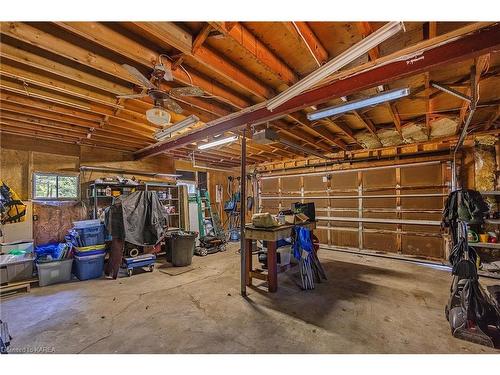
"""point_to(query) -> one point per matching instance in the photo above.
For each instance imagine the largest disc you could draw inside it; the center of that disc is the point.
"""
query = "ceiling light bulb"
(158, 116)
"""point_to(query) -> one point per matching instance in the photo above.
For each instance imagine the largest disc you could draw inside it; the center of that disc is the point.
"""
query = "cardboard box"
(296, 219)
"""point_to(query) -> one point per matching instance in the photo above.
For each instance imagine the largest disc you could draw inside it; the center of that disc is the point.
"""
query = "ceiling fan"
(162, 99)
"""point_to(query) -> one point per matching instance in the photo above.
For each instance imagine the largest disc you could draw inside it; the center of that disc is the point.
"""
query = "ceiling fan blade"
(187, 91)
(132, 96)
(139, 76)
(172, 105)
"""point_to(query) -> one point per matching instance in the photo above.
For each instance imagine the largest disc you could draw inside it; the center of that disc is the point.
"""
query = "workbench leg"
(272, 267)
(248, 262)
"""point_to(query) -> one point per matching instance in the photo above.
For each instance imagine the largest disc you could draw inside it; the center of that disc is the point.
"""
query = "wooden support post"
(248, 262)
(243, 199)
(272, 267)
(360, 210)
(399, 226)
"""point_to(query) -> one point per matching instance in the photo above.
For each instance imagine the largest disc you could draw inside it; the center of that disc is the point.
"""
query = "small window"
(50, 186)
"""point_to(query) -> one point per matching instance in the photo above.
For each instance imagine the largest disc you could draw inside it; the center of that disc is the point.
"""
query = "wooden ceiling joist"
(118, 43)
(260, 52)
(449, 50)
(313, 44)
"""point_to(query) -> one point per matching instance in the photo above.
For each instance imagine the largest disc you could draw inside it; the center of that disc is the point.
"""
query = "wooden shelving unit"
(169, 195)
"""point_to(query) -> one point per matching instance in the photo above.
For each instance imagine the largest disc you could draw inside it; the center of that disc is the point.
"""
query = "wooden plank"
(201, 37)
(313, 44)
(365, 29)
(58, 99)
(28, 58)
(166, 31)
(31, 78)
(26, 115)
(450, 50)
(260, 52)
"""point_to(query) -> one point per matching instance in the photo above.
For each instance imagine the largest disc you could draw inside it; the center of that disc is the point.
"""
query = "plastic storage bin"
(285, 254)
(21, 246)
(89, 267)
(92, 235)
(15, 268)
(86, 223)
(90, 250)
(54, 272)
(180, 248)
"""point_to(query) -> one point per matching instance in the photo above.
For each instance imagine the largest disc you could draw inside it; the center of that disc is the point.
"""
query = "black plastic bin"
(180, 248)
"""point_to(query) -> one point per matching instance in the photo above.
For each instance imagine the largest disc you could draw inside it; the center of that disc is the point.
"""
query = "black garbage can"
(180, 248)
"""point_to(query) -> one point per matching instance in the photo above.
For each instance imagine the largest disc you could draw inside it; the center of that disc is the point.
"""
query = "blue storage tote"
(90, 250)
(89, 267)
(91, 236)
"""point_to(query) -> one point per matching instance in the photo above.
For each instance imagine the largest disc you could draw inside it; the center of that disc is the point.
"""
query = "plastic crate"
(89, 267)
(54, 272)
(15, 268)
(91, 236)
(23, 246)
(86, 223)
(90, 250)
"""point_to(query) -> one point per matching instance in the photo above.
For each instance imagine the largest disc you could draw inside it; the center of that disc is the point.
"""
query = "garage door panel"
(428, 247)
(422, 203)
(315, 183)
(421, 175)
(380, 198)
(318, 203)
(344, 181)
(344, 203)
(269, 186)
(291, 184)
(344, 238)
(381, 226)
(322, 235)
(379, 178)
(431, 229)
(386, 242)
(270, 205)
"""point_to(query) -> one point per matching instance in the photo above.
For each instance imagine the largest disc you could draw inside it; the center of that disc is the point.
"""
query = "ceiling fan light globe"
(158, 116)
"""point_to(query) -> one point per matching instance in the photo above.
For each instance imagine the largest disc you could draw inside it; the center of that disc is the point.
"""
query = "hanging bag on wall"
(12, 209)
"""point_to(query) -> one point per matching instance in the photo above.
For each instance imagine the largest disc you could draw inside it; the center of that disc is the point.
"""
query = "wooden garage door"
(394, 209)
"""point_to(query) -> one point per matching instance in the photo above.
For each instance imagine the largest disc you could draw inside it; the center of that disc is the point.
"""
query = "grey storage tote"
(15, 268)
(55, 272)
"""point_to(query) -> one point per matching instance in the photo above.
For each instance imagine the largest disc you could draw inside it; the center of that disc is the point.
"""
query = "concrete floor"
(368, 305)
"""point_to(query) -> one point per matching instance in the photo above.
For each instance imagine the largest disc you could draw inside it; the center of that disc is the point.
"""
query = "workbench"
(271, 236)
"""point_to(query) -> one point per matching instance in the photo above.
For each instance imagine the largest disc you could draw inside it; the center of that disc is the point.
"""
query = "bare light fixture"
(158, 115)
(162, 134)
(267, 136)
(346, 57)
(383, 97)
(217, 142)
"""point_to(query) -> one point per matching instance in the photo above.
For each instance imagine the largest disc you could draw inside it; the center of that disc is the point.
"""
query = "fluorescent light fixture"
(218, 142)
(268, 136)
(158, 115)
(346, 57)
(162, 134)
(383, 97)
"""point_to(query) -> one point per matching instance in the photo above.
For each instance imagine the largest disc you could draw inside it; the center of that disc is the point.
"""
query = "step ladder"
(205, 214)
